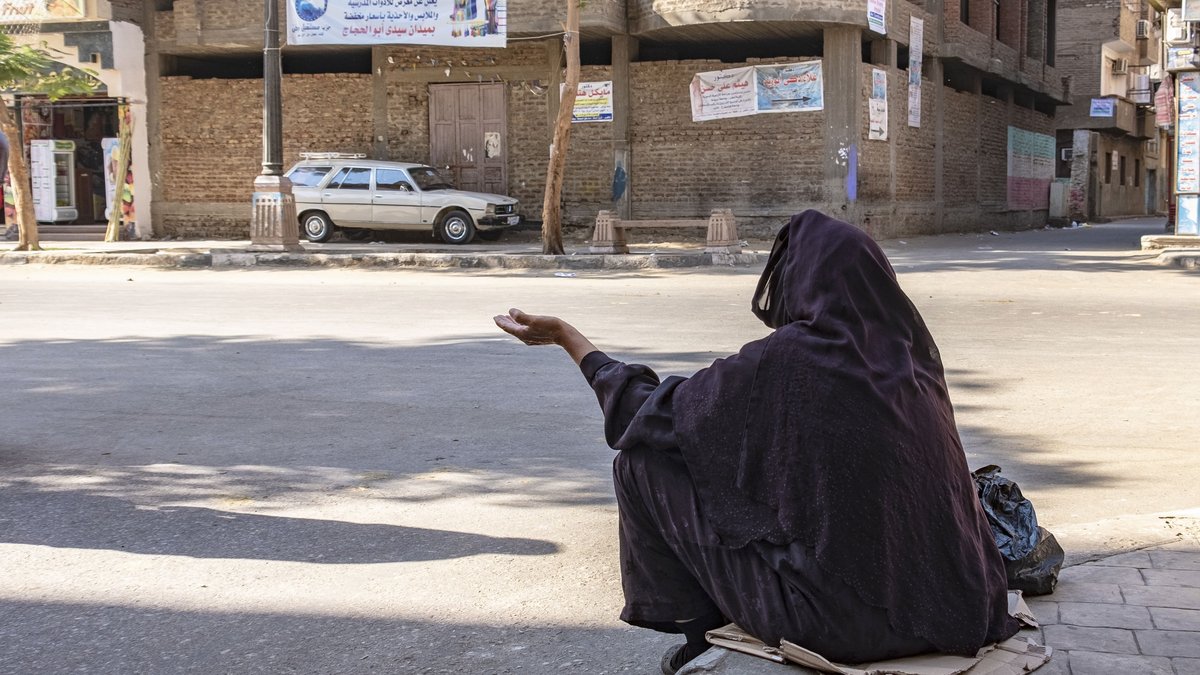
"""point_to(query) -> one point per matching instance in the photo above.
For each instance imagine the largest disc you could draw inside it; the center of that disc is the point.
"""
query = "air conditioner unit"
(1178, 32)
(1143, 29)
(1120, 66)
(1065, 154)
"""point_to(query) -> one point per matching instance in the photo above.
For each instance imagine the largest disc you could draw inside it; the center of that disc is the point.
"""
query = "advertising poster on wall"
(739, 92)
(593, 102)
(877, 110)
(916, 56)
(1187, 216)
(1187, 134)
(722, 94)
(877, 16)
(1030, 169)
(794, 87)
(451, 23)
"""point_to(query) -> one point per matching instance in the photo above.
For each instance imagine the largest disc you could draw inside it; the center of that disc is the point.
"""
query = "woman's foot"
(678, 656)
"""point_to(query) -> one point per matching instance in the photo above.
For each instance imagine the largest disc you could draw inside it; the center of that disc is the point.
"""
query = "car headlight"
(489, 210)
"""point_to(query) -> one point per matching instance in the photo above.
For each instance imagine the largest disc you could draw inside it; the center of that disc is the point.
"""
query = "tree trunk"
(22, 192)
(552, 243)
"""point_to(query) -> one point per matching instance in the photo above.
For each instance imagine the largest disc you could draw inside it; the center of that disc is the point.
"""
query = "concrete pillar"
(624, 51)
(883, 53)
(937, 31)
(152, 60)
(843, 116)
(1079, 195)
(379, 107)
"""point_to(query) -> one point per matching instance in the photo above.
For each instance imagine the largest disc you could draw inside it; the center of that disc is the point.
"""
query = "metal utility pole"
(273, 224)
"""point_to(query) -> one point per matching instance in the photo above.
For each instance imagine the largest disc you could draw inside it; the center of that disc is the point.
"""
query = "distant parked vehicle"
(336, 191)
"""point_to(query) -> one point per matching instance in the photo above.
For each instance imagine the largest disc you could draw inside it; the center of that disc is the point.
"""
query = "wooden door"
(467, 135)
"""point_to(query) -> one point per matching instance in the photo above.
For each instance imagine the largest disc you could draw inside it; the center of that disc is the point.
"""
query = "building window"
(1051, 16)
(1107, 170)
(1122, 170)
(1137, 173)
(964, 11)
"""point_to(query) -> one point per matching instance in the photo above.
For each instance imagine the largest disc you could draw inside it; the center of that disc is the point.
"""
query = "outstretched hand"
(531, 329)
(545, 330)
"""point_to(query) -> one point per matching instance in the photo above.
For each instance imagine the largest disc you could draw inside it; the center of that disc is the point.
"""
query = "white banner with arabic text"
(451, 23)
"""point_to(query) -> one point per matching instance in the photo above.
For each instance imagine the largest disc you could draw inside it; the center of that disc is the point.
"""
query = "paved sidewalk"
(1129, 614)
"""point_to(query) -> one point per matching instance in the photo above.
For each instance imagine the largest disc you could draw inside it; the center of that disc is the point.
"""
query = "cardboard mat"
(1012, 657)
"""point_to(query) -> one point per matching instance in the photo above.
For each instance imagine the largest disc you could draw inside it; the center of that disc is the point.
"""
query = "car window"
(391, 179)
(352, 179)
(427, 178)
(308, 176)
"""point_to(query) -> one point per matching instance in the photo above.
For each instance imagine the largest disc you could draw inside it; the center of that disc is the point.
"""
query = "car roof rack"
(333, 155)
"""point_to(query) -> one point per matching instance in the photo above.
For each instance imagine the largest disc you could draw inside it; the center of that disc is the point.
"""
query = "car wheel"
(357, 234)
(456, 227)
(489, 235)
(317, 226)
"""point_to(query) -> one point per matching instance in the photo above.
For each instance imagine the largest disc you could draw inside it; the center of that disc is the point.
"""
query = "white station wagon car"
(357, 195)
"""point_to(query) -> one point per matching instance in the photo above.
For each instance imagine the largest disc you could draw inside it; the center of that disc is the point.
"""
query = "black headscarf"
(837, 431)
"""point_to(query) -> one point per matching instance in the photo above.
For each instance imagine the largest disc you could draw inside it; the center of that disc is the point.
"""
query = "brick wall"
(211, 145)
(539, 16)
(127, 10)
(763, 165)
(1083, 25)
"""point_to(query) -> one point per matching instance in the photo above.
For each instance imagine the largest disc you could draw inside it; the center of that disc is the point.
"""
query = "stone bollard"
(722, 233)
(608, 236)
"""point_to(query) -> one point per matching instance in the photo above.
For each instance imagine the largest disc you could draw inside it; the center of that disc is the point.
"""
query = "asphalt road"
(341, 471)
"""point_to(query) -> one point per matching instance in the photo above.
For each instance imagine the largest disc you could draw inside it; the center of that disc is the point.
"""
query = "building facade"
(104, 37)
(984, 111)
(1109, 147)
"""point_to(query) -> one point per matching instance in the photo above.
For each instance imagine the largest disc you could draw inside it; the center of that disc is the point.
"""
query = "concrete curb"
(244, 259)
(1188, 259)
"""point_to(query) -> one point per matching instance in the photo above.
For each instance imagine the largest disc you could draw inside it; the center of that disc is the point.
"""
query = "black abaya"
(673, 566)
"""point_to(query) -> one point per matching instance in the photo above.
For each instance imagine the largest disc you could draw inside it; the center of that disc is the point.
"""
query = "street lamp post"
(273, 224)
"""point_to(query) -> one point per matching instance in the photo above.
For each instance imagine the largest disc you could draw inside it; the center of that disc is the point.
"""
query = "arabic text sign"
(456, 23)
(723, 93)
(794, 87)
(22, 11)
(593, 102)
(1187, 133)
(1030, 169)
(877, 106)
(1102, 107)
(877, 16)
(916, 56)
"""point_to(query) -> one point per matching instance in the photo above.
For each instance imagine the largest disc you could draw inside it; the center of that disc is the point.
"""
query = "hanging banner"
(451, 23)
(110, 147)
(1187, 214)
(1030, 169)
(1187, 133)
(1103, 107)
(794, 87)
(739, 92)
(593, 103)
(723, 93)
(877, 16)
(916, 55)
(1164, 103)
(877, 106)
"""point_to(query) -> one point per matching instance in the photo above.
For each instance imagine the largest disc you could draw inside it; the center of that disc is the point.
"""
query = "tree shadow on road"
(82, 521)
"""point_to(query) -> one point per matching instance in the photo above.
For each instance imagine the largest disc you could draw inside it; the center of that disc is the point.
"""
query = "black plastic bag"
(1032, 556)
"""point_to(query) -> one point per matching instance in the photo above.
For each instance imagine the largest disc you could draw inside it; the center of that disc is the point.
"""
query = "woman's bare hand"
(545, 330)
(531, 329)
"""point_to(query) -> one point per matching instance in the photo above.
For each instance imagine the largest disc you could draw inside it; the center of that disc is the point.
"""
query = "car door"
(396, 205)
(347, 197)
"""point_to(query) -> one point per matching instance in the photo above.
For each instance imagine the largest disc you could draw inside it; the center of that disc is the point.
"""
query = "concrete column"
(937, 30)
(379, 96)
(843, 116)
(624, 51)
(883, 53)
(153, 189)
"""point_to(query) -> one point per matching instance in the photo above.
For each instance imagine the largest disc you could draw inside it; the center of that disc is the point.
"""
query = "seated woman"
(812, 487)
